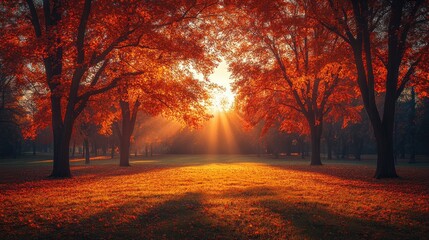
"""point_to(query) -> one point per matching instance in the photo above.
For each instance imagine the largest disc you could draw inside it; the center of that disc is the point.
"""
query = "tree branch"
(81, 32)
(34, 18)
(406, 78)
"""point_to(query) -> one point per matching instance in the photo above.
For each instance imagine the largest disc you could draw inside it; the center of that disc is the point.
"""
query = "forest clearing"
(213, 197)
(214, 119)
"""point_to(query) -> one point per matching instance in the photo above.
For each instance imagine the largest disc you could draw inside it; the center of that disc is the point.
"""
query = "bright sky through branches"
(223, 99)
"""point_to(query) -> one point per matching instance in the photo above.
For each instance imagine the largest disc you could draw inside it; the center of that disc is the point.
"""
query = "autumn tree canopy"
(296, 64)
(389, 42)
(288, 69)
(78, 49)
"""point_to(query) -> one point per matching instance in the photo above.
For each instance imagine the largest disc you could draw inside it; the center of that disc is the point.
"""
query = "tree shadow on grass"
(37, 177)
(411, 182)
(183, 217)
(313, 221)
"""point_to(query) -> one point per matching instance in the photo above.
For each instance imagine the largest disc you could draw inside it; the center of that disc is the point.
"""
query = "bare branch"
(34, 18)
(81, 31)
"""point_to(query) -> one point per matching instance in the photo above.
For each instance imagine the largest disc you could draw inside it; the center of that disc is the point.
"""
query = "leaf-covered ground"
(213, 197)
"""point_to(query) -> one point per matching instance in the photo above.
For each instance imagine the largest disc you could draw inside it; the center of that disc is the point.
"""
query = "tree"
(77, 56)
(10, 114)
(287, 68)
(389, 41)
(169, 93)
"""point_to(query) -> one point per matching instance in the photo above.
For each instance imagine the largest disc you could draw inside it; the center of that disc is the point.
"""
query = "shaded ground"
(212, 197)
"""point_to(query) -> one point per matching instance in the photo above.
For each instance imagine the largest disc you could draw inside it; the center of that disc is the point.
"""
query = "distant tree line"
(338, 142)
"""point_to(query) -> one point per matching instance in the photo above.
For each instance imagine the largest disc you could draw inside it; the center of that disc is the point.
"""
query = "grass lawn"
(212, 197)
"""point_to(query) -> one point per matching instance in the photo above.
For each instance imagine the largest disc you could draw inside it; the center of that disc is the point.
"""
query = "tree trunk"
(329, 148)
(62, 135)
(302, 146)
(34, 147)
(61, 168)
(104, 148)
(86, 145)
(258, 149)
(128, 121)
(289, 146)
(73, 149)
(94, 148)
(344, 147)
(316, 134)
(358, 144)
(412, 123)
(385, 160)
(385, 156)
(112, 152)
(124, 149)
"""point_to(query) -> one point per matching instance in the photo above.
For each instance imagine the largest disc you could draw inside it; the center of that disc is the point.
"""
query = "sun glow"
(222, 99)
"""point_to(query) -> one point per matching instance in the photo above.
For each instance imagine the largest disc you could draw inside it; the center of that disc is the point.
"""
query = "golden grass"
(209, 200)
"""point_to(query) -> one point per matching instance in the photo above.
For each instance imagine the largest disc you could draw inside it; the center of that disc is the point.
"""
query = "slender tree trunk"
(412, 123)
(316, 135)
(34, 147)
(112, 151)
(104, 148)
(86, 145)
(288, 146)
(73, 149)
(258, 149)
(94, 148)
(344, 148)
(329, 140)
(329, 148)
(302, 146)
(358, 145)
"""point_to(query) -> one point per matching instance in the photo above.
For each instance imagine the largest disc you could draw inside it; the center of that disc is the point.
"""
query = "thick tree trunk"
(62, 136)
(316, 135)
(124, 150)
(384, 138)
(385, 156)
(61, 168)
(128, 121)
(86, 145)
